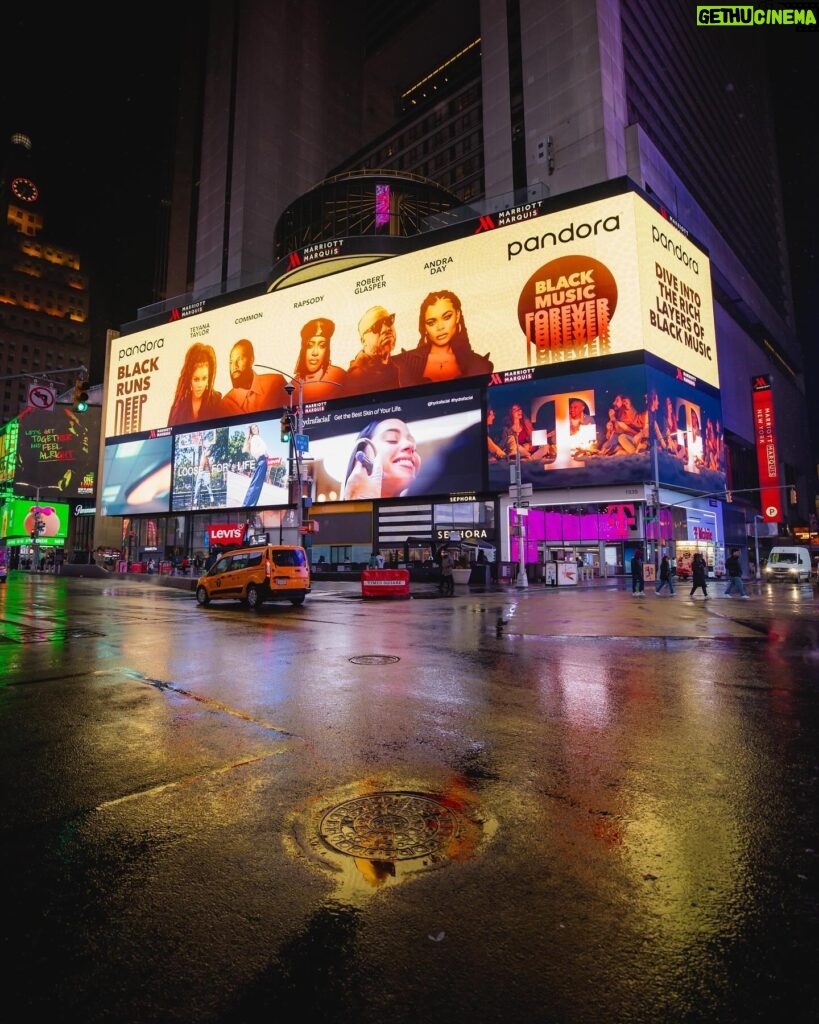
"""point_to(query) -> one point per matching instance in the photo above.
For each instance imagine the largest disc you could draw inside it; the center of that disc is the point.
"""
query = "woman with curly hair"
(443, 350)
(195, 398)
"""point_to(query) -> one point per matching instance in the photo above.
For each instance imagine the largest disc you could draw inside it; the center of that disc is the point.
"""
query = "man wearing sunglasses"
(373, 369)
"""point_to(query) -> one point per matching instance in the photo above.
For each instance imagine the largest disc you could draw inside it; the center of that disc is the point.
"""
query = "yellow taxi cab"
(255, 574)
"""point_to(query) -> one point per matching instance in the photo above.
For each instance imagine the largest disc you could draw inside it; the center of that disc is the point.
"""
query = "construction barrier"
(385, 582)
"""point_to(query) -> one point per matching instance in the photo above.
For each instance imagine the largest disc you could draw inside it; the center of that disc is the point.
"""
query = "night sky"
(100, 114)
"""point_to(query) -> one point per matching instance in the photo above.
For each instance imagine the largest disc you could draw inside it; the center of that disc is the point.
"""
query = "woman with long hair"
(195, 398)
(695, 443)
(204, 476)
(517, 433)
(256, 448)
(517, 437)
(444, 350)
(384, 461)
(671, 430)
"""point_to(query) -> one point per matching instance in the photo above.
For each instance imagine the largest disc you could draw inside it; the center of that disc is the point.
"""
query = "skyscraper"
(490, 100)
(43, 291)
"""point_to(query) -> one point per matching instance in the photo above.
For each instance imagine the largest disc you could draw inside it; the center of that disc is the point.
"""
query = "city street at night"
(409, 514)
(556, 805)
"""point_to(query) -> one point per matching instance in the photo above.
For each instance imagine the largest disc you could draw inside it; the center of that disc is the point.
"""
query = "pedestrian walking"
(447, 579)
(637, 582)
(666, 576)
(733, 567)
(699, 575)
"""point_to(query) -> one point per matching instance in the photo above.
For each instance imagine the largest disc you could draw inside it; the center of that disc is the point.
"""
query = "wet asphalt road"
(552, 805)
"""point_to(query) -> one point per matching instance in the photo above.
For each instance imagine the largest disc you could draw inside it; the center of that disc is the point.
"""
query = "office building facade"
(503, 104)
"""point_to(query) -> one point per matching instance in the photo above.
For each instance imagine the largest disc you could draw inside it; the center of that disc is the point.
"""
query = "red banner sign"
(225, 533)
(767, 461)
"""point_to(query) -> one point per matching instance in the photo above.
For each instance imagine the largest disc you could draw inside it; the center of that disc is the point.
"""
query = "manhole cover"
(26, 635)
(374, 659)
(390, 826)
(371, 838)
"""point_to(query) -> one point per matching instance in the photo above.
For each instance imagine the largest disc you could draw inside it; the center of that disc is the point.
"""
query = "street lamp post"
(35, 539)
(294, 383)
(656, 542)
(757, 570)
(290, 387)
(522, 581)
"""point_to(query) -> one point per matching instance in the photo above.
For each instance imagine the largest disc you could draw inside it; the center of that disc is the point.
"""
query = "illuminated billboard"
(136, 475)
(230, 467)
(406, 445)
(766, 455)
(601, 279)
(8, 451)
(398, 444)
(603, 426)
(59, 449)
(23, 516)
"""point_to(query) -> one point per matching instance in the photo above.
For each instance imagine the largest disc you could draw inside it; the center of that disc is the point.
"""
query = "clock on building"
(25, 189)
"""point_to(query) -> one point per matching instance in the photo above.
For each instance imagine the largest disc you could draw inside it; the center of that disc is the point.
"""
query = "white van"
(791, 564)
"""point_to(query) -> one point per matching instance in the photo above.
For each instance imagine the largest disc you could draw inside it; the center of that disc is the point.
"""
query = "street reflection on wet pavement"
(542, 805)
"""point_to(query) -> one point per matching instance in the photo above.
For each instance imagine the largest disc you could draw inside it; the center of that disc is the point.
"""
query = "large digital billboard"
(601, 279)
(230, 467)
(767, 460)
(394, 446)
(400, 446)
(23, 516)
(136, 475)
(8, 451)
(629, 424)
(59, 448)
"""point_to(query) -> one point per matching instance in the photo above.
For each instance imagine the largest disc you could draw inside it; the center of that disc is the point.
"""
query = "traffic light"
(80, 396)
(286, 431)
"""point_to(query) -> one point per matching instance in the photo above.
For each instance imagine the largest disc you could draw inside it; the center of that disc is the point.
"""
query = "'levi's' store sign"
(767, 461)
(225, 533)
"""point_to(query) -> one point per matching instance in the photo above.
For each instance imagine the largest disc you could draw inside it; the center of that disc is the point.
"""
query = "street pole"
(298, 430)
(36, 538)
(293, 452)
(296, 427)
(655, 499)
(523, 580)
(757, 571)
(37, 520)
